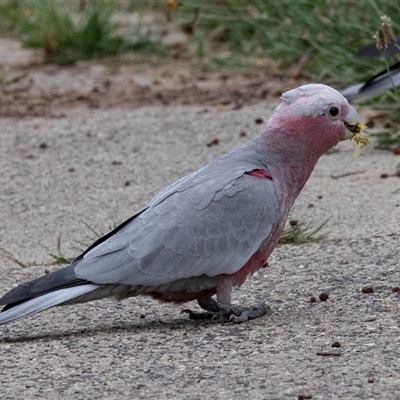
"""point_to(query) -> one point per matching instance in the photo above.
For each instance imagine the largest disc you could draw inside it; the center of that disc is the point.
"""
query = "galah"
(210, 230)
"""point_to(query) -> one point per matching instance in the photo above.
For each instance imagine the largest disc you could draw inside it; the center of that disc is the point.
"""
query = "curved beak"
(352, 124)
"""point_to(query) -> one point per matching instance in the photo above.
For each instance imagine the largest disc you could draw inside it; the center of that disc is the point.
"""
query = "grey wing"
(196, 231)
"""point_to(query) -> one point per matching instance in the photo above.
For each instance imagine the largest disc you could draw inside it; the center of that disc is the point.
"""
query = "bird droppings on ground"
(324, 296)
(304, 397)
(330, 353)
(212, 142)
(367, 289)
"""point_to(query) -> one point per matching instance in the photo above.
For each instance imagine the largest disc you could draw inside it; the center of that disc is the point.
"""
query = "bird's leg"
(217, 312)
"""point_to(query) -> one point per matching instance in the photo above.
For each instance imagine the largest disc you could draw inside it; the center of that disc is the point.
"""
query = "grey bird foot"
(229, 313)
(237, 314)
(198, 315)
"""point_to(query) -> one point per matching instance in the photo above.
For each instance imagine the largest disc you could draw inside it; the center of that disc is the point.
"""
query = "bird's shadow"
(131, 328)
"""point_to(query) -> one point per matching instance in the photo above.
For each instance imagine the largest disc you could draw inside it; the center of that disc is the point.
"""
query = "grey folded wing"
(206, 226)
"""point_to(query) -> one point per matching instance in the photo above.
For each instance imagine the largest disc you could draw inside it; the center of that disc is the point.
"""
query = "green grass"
(302, 233)
(316, 38)
(322, 36)
(60, 259)
(66, 35)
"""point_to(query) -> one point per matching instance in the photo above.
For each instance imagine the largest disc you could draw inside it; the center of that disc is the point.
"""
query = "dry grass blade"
(6, 254)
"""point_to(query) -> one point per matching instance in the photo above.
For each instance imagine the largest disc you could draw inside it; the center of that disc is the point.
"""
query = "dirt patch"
(47, 90)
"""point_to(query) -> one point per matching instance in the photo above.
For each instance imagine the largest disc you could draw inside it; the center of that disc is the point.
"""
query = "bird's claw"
(197, 316)
(231, 313)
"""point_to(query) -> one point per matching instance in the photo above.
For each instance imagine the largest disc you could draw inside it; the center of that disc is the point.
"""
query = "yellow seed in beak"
(360, 139)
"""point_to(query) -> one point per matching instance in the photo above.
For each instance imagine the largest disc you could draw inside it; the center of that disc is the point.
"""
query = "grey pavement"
(96, 168)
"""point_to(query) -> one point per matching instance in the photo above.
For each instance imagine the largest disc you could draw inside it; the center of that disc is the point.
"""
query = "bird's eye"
(333, 111)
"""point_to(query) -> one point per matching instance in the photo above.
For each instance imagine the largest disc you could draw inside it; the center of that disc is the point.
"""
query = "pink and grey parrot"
(210, 230)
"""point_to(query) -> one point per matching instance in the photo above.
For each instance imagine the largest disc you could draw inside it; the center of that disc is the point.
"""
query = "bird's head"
(314, 118)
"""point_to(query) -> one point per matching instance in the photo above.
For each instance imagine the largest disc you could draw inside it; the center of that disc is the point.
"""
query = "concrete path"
(96, 168)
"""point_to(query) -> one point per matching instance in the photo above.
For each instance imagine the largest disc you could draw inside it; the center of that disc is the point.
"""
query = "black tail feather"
(61, 279)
